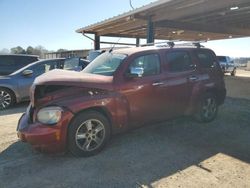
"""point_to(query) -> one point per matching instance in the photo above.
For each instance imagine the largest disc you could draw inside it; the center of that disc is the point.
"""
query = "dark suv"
(121, 90)
(10, 63)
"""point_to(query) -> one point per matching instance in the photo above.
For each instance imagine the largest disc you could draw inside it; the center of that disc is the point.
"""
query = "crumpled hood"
(73, 78)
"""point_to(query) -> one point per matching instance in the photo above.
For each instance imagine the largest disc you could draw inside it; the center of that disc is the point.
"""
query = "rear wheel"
(88, 133)
(7, 98)
(207, 109)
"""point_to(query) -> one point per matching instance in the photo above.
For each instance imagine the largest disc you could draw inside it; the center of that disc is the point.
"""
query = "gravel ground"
(177, 153)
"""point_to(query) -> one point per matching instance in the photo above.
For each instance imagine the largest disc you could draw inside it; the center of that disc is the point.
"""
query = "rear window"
(7, 61)
(179, 61)
(222, 58)
(16, 60)
(11, 63)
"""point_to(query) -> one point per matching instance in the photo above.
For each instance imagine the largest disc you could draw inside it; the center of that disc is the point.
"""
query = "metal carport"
(178, 19)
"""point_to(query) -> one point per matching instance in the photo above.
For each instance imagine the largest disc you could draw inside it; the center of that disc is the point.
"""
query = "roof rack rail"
(171, 44)
(163, 43)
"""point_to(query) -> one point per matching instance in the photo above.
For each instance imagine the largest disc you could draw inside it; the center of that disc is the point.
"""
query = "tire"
(88, 133)
(233, 73)
(7, 98)
(207, 108)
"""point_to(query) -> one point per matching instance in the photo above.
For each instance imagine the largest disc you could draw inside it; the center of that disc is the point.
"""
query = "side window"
(44, 67)
(149, 63)
(71, 64)
(179, 61)
(7, 61)
(21, 60)
(39, 69)
(205, 59)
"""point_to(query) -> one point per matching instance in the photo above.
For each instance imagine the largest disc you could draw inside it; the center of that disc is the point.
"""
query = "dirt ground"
(177, 153)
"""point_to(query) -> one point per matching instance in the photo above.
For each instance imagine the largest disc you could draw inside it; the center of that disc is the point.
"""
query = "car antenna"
(111, 49)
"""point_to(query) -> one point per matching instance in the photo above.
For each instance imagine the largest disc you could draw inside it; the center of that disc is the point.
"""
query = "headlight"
(49, 115)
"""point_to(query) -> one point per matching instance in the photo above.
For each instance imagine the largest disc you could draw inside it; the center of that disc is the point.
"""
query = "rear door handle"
(193, 78)
(157, 83)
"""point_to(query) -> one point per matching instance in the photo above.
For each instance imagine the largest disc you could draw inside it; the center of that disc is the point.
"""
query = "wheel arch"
(100, 109)
(213, 91)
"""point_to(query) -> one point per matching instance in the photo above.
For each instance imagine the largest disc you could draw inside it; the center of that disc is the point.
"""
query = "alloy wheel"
(209, 108)
(5, 99)
(90, 135)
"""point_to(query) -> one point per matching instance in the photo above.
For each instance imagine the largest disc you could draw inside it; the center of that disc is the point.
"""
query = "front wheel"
(207, 109)
(88, 133)
(7, 98)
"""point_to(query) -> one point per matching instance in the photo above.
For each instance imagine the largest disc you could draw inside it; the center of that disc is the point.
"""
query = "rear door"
(179, 79)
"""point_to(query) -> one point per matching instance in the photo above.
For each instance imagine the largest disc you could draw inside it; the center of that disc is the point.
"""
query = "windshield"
(105, 64)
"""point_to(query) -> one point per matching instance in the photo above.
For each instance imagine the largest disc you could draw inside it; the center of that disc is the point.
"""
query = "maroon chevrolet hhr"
(118, 91)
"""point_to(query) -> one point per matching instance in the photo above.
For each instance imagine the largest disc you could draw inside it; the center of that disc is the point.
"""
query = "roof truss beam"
(202, 27)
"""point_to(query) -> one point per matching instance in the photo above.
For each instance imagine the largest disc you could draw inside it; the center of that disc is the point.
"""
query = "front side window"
(44, 67)
(179, 61)
(105, 64)
(150, 64)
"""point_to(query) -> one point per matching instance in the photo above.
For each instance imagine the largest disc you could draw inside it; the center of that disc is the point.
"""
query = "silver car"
(14, 88)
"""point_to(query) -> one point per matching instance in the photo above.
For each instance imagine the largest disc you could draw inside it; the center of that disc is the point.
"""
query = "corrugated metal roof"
(180, 19)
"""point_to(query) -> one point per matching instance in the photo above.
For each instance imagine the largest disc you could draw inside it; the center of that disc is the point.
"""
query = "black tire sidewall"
(199, 114)
(233, 72)
(74, 125)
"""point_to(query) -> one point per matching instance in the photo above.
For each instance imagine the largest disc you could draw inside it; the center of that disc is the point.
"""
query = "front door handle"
(157, 83)
(193, 78)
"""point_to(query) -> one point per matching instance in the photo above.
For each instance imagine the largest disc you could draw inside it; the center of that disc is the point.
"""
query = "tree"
(61, 50)
(40, 51)
(30, 50)
(4, 51)
(17, 50)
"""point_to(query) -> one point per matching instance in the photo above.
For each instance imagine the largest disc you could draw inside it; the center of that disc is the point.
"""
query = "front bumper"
(43, 137)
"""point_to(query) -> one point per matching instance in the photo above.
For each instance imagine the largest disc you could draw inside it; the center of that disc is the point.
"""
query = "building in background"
(67, 54)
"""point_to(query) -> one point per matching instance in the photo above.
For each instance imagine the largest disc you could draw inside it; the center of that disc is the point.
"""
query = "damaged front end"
(52, 107)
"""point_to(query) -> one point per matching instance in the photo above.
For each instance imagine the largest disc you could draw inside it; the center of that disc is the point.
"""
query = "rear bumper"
(43, 137)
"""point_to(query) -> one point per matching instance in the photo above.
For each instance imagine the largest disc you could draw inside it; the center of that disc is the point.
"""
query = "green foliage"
(30, 50)
(38, 50)
(61, 50)
(17, 50)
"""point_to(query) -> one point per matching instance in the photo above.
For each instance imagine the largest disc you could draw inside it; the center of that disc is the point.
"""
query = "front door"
(144, 94)
(25, 82)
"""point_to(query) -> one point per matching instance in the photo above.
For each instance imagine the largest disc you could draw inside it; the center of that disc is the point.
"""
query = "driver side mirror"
(27, 72)
(135, 72)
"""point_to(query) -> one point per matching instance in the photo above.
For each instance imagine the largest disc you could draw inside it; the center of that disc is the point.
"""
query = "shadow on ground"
(141, 156)
(18, 108)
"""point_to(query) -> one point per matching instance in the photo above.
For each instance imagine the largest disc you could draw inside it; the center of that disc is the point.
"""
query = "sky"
(52, 24)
